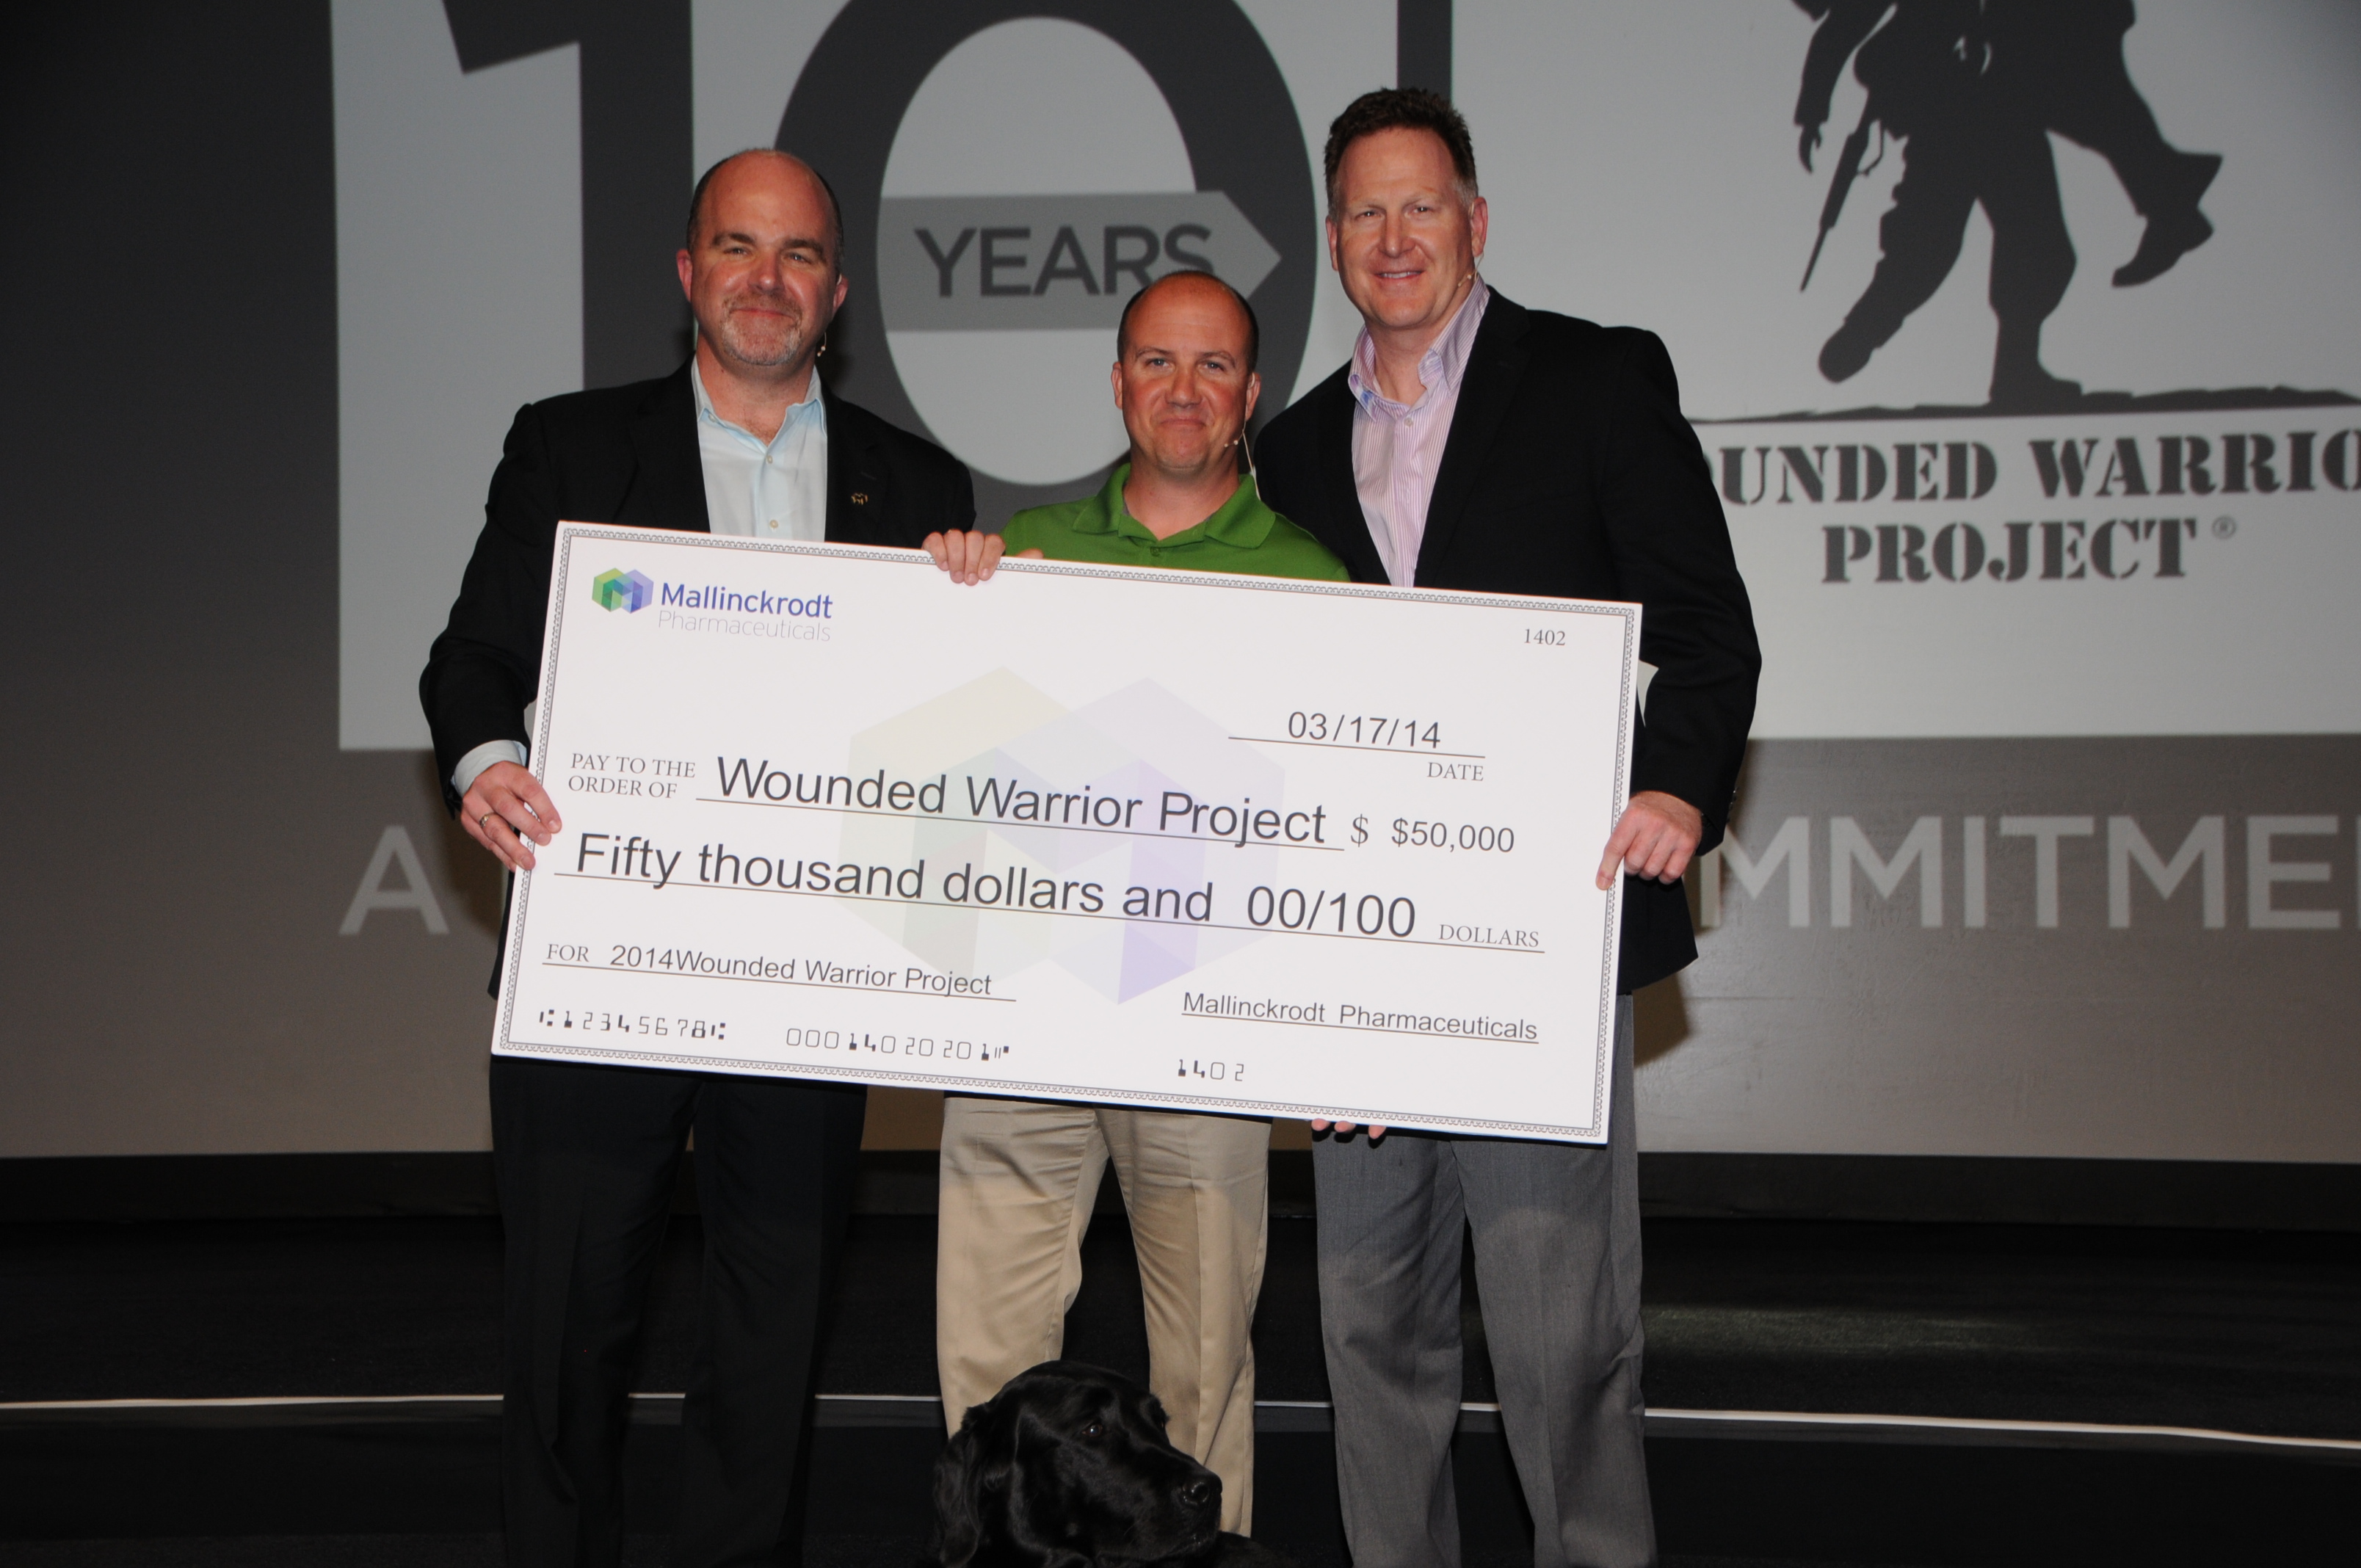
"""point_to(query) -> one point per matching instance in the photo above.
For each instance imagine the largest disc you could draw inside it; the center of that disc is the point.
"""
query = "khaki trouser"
(1019, 1180)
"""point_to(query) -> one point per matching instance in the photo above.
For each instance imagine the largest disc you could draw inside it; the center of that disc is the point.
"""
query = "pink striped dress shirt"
(1397, 447)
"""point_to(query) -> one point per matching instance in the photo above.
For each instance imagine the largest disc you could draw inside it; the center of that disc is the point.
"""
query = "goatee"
(764, 341)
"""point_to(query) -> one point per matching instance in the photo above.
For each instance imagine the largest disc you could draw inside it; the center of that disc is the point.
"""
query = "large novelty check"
(1148, 838)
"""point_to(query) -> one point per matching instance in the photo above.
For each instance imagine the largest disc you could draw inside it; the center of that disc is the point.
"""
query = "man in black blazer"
(743, 439)
(1473, 444)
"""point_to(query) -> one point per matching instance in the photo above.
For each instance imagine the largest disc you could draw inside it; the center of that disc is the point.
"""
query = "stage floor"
(1819, 1392)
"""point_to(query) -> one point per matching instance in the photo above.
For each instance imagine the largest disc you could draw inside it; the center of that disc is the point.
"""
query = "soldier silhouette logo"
(1971, 91)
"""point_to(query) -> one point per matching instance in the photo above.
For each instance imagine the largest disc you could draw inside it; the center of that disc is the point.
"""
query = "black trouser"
(586, 1159)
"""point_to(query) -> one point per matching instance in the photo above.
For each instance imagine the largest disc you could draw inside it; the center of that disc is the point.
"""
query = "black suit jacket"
(1571, 472)
(628, 455)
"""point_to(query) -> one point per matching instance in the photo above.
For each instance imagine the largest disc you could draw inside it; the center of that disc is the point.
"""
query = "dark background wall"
(188, 833)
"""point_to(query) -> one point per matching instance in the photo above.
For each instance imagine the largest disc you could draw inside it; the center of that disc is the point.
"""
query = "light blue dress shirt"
(765, 489)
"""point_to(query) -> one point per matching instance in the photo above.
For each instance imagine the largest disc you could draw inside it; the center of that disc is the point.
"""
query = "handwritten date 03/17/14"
(1374, 730)
(658, 1024)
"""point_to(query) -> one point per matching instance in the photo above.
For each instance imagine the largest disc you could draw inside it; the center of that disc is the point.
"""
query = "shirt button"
(775, 523)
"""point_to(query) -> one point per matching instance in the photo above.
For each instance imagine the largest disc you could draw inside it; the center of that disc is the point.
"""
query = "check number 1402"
(1219, 1071)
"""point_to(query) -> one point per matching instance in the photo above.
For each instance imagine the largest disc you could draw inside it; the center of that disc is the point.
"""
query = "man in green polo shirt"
(1018, 1178)
(1184, 379)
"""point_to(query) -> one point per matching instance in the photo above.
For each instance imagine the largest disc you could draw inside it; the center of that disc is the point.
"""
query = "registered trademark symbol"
(2223, 527)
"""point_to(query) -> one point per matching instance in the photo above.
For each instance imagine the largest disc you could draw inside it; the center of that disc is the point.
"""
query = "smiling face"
(1182, 381)
(762, 276)
(1403, 239)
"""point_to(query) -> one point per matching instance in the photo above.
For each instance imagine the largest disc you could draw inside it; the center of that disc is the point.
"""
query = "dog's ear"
(971, 1493)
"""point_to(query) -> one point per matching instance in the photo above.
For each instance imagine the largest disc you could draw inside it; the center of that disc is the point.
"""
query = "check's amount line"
(1271, 930)
(1021, 826)
(1352, 746)
(765, 980)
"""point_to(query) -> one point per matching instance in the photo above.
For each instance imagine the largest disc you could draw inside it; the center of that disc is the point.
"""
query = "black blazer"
(628, 455)
(1571, 472)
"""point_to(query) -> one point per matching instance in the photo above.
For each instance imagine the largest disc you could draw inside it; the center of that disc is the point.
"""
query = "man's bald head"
(1250, 343)
(784, 160)
(762, 271)
(1184, 379)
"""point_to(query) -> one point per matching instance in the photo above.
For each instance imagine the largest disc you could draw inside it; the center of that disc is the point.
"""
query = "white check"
(1152, 839)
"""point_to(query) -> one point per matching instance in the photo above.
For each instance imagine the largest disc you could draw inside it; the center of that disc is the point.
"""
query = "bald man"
(1018, 1177)
(743, 439)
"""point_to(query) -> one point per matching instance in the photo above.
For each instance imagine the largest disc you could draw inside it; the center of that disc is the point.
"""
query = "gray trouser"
(1557, 1265)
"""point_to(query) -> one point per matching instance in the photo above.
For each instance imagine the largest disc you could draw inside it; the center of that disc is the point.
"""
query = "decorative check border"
(545, 715)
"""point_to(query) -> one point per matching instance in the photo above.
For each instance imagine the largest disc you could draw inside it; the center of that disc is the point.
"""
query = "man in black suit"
(743, 439)
(1473, 444)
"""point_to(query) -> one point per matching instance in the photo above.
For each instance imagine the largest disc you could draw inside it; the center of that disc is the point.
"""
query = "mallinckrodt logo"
(623, 590)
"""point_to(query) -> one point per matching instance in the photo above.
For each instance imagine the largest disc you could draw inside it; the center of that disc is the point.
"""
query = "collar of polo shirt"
(1241, 521)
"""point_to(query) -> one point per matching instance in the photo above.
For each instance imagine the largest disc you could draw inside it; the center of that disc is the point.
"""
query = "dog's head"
(1068, 1464)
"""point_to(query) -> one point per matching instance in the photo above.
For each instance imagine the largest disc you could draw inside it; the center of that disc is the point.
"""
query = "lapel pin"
(861, 497)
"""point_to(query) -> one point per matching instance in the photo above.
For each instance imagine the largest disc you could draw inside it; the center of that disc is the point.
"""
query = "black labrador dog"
(1068, 1467)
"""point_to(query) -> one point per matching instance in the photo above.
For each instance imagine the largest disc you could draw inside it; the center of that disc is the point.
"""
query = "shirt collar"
(800, 410)
(1242, 521)
(1440, 368)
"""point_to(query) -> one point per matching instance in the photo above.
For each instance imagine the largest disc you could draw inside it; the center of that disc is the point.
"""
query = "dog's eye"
(1096, 1428)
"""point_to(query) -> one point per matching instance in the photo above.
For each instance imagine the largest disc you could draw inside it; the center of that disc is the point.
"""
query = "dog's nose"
(1201, 1491)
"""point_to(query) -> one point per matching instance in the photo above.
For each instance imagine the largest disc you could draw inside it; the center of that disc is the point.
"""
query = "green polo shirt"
(1244, 536)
